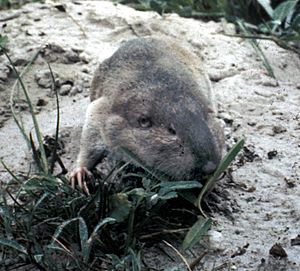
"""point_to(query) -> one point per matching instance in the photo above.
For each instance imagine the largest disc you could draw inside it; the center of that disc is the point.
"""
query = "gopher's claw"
(78, 177)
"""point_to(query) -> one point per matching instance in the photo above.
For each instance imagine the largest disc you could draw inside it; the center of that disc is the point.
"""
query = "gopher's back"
(140, 59)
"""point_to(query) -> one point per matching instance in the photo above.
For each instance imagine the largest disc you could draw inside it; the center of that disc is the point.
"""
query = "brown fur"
(152, 98)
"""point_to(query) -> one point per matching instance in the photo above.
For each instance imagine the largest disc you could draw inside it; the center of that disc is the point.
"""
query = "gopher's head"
(157, 112)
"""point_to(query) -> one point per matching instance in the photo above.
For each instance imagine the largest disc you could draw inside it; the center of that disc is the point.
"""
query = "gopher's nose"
(209, 168)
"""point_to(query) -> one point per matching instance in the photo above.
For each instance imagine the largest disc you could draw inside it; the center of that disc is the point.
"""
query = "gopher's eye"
(145, 122)
(171, 130)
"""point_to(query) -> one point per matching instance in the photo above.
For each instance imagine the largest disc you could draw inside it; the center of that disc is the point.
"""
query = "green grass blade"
(35, 153)
(40, 200)
(84, 235)
(176, 268)
(10, 172)
(89, 242)
(180, 185)
(14, 114)
(257, 49)
(135, 260)
(267, 7)
(57, 120)
(99, 226)
(6, 217)
(167, 189)
(283, 10)
(3, 42)
(196, 232)
(60, 229)
(14, 245)
(158, 175)
(33, 116)
(222, 167)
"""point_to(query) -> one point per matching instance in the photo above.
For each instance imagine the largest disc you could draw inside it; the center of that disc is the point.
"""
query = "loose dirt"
(263, 191)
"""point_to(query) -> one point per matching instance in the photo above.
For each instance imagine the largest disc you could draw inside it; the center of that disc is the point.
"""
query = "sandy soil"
(263, 195)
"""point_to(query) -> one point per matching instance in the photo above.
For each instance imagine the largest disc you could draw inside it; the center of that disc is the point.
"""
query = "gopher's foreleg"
(92, 149)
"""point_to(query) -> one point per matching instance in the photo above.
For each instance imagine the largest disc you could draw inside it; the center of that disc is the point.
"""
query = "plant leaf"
(267, 7)
(296, 25)
(120, 207)
(169, 195)
(180, 185)
(196, 232)
(168, 188)
(188, 196)
(283, 10)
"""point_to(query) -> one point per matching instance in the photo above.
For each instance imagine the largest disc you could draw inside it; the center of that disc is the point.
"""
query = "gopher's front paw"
(79, 176)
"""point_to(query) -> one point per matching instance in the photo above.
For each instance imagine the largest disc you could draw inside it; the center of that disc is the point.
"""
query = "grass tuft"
(278, 21)
(44, 222)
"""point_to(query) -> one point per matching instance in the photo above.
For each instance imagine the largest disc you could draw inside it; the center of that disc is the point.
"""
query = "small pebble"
(85, 58)
(296, 241)
(4, 72)
(75, 90)
(216, 240)
(77, 49)
(228, 119)
(278, 129)
(44, 78)
(85, 70)
(272, 154)
(65, 89)
(41, 102)
(71, 57)
(278, 251)
(19, 61)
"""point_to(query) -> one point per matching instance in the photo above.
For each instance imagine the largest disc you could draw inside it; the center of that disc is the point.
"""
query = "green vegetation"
(46, 224)
(278, 21)
(278, 18)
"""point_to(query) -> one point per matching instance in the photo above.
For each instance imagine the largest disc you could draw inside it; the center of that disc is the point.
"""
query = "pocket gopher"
(152, 98)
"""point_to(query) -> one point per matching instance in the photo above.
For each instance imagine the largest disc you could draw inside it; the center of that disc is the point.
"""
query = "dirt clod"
(291, 183)
(240, 251)
(278, 251)
(65, 89)
(296, 241)
(44, 78)
(278, 129)
(272, 154)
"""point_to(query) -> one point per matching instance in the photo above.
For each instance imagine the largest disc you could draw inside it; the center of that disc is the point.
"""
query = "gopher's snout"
(209, 168)
(201, 170)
